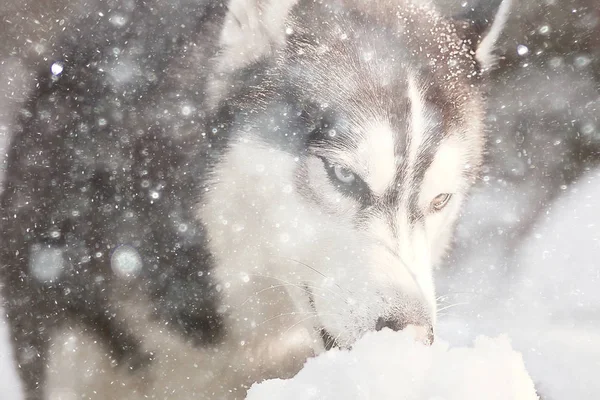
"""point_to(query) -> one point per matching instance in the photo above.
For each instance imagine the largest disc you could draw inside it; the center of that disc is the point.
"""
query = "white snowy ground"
(390, 365)
(549, 302)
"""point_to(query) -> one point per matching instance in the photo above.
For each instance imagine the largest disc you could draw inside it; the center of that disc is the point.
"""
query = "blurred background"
(527, 256)
(526, 261)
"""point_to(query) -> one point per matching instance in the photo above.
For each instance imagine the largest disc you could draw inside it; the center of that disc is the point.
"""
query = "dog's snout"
(423, 332)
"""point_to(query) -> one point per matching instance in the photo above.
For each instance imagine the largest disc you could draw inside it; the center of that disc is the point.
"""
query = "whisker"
(299, 322)
(301, 287)
(451, 306)
(318, 272)
(440, 316)
(270, 288)
(309, 267)
(334, 340)
(446, 295)
(312, 313)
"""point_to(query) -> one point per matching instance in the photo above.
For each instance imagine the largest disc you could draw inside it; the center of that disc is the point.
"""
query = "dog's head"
(356, 131)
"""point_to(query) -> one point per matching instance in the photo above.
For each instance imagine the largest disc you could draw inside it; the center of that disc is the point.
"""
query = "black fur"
(81, 169)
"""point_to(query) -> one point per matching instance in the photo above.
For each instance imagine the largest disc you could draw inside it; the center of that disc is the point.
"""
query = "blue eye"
(343, 175)
(347, 182)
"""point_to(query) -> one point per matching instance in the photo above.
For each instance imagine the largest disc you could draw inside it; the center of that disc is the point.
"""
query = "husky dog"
(187, 212)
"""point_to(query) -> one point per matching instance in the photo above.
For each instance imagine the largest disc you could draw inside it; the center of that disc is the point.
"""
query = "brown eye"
(440, 201)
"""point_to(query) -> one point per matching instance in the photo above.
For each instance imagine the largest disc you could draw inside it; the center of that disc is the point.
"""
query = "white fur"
(266, 234)
(485, 51)
(377, 149)
(445, 175)
(418, 121)
(252, 29)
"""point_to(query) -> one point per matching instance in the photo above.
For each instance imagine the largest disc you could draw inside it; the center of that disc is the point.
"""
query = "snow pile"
(391, 365)
(546, 297)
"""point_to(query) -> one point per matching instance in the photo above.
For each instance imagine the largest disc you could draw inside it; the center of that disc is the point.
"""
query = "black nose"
(393, 324)
(424, 331)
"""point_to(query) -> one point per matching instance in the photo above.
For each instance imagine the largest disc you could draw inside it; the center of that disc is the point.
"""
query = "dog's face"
(352, 153)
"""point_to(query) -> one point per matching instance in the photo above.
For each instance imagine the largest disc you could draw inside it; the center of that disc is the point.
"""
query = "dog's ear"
(484, 21)
(252, 28)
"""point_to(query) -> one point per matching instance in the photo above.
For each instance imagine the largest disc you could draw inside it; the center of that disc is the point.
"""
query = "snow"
(126, 262)
(391, 365)
(56, 68)
(46, 263)
(522, 50)
(548, 303)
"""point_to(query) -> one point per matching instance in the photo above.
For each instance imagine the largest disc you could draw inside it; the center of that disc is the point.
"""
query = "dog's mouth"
(329, 341)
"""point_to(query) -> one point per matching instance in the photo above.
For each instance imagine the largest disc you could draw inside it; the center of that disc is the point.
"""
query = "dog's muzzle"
(423, 332)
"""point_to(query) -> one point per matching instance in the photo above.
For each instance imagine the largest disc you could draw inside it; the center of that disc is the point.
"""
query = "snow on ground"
(548, 302)
(391, 365)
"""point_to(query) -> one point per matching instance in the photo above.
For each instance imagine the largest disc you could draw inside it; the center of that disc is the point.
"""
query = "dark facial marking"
(358, 189)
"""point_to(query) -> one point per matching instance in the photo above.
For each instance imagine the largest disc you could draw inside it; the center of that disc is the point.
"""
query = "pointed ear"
(485, 20)
(251, 29)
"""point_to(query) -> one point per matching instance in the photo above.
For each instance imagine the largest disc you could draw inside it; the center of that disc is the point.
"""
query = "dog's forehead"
(381, 37)
(389, 144)
(377, 157)
(397, 85)
(361, 64)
